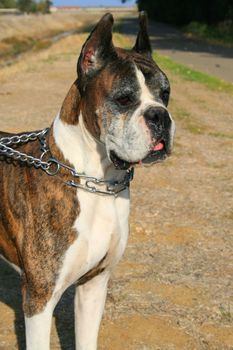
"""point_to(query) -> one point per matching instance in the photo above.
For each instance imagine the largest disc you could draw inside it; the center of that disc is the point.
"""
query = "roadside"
(167, 40)
(19, 34)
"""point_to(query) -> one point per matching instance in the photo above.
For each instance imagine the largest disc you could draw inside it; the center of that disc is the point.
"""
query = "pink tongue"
(158, 147)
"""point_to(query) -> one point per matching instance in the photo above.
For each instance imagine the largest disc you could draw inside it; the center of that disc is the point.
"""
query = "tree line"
(182, 12)
(27, 6)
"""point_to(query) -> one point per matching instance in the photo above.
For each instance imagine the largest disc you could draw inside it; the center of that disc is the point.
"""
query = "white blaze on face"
(147, 99)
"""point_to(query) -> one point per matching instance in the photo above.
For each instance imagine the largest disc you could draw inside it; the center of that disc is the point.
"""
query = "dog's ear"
(143, 44)
(97, 50)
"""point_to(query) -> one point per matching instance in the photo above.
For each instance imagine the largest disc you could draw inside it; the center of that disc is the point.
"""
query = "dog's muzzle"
(159, 124)
(157, 119)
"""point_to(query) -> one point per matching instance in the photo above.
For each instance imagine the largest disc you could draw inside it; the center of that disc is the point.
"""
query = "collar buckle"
(111, 188)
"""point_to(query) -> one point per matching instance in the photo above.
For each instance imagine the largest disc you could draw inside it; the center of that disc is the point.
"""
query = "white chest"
(102, 229)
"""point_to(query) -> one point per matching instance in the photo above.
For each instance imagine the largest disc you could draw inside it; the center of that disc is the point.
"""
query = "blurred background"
(173, 288)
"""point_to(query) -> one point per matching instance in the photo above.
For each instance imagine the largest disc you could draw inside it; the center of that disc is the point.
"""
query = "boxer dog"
(72, 227)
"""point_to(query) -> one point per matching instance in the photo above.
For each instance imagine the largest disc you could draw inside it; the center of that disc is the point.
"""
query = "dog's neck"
(81, 150)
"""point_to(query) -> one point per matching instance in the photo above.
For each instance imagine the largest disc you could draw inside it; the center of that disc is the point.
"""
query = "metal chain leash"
(53, 166)
(12, 153)
(16, 139)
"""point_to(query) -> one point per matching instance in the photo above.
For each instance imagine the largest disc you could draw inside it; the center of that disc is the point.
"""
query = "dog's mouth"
(158, 152)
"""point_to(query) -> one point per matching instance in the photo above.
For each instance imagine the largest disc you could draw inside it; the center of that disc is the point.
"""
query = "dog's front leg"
(89, 305)
(38, 328)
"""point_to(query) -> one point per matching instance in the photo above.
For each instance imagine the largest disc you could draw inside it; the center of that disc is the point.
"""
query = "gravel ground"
(173, 288)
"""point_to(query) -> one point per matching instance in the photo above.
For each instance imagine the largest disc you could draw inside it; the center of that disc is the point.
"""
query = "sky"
(92, 3)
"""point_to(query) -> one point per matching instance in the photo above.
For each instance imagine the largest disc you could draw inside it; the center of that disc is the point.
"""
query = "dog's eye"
(124, 100)
(165, 97)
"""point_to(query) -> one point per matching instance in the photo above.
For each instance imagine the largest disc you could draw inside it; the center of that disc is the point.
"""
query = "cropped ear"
(142, 44)
(97, 50)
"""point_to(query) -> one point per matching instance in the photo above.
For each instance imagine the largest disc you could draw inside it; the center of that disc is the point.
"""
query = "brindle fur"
(71, 107)
(37, 213)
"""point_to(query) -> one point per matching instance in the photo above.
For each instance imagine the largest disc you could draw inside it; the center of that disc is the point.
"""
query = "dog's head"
(124, 97)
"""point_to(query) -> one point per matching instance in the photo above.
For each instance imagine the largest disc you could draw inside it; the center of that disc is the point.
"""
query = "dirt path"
(173, 288)
(169, 41)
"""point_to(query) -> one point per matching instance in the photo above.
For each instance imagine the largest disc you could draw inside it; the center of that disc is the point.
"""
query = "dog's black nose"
(158, 116)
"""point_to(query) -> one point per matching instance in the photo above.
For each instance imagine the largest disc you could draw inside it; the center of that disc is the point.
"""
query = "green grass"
(197, 127)
(221, 33)
(190, 74)
(18, 46)
(189, 123)
(226, 314)
(220, 135)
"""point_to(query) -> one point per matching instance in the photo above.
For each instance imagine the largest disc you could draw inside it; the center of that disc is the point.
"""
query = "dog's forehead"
(129, 63)
(150, 70)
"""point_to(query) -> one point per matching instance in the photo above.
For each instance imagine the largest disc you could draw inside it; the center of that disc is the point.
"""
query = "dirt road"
(173, 288)
(167, 40)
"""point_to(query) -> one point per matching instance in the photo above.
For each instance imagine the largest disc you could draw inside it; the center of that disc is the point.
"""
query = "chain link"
(53, 166)
(23, 138)
(12, 153)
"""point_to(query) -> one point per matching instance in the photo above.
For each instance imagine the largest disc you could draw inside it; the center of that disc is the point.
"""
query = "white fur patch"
(101, 218)
(146, 97)
(75, 142)
(89, 306)
(172, 131)
(38, 328)
(15, 267)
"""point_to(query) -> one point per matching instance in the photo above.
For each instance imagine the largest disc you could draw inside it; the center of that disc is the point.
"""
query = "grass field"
(173, 289)
(190, 74)
(221, 33)
(19, 34)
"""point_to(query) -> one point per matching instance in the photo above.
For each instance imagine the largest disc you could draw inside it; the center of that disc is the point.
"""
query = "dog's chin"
(157, 154)
(119, 163)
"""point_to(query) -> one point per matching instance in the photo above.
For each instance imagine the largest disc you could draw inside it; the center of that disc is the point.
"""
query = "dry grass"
(37, 26)
(19, 34)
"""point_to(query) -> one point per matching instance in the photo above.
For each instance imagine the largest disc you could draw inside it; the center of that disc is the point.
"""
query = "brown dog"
(72, 227)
